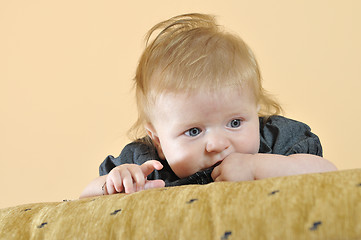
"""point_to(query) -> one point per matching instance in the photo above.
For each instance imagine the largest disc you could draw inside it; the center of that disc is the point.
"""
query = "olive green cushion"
(311, 206)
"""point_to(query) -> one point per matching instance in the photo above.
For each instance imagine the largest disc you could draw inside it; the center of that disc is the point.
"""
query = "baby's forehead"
(178, 109)
(177, 102)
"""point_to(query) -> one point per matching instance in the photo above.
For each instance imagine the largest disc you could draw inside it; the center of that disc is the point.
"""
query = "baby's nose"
(217, 143)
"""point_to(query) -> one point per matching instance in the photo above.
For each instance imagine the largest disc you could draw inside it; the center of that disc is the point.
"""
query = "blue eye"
(235, 123)
(193, 132)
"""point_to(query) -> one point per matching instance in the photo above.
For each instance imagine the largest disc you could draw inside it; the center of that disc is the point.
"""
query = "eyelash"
(193, 132)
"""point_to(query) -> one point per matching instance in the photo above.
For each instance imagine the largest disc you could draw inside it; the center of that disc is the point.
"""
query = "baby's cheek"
(256, 143)
(254, 148)
(183, 163)
(253, 141)
(249, 145)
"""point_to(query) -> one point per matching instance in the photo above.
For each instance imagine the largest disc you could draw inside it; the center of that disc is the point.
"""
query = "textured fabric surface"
(312, 206)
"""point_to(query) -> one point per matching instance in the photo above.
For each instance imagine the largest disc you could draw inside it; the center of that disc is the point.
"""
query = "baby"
(204, 116)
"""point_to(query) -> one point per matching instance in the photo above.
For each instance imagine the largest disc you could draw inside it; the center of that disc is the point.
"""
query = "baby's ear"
(155, 139)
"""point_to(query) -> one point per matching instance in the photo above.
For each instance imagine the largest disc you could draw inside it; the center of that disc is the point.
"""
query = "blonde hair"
(191, 52)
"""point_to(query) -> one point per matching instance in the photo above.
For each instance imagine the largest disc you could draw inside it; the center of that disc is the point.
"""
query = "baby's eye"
(235, 123)
(193, 132)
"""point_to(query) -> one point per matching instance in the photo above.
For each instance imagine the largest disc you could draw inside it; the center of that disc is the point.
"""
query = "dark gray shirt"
(278, 135)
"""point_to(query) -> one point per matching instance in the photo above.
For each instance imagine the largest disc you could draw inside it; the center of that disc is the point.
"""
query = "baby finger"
(127, 181)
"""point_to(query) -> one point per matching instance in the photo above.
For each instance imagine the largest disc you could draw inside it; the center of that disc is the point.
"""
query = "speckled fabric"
(310, 206)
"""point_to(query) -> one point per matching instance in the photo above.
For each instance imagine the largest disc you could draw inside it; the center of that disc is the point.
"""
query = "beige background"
(66, 68)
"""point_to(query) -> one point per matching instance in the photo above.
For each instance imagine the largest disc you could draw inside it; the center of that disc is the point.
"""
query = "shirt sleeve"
(280, 135)
(133, 153)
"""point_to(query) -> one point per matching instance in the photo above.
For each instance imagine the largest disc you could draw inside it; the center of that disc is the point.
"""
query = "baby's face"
(197, 131)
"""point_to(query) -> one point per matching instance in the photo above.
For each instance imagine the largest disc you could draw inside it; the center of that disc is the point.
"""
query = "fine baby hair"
(193, 53)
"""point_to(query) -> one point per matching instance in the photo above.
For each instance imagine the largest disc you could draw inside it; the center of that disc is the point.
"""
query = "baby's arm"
(245, 167)
(126, 178)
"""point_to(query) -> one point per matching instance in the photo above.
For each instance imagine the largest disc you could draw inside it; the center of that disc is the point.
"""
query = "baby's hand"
(236, 167)
(131, 178)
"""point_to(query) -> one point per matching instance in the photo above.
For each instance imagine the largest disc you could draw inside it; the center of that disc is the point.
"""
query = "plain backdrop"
(66, 70)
